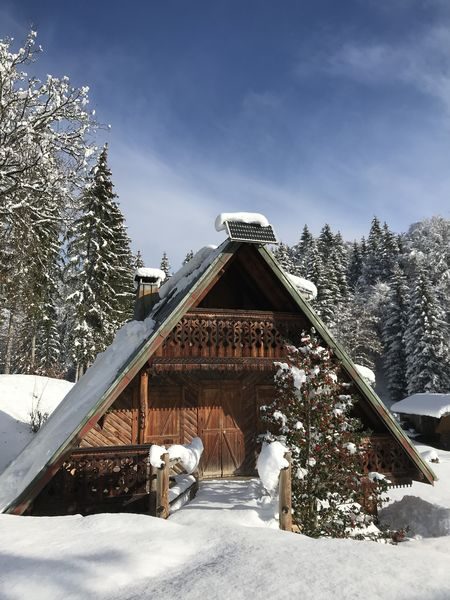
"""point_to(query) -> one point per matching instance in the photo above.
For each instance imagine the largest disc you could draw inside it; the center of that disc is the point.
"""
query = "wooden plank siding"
(116, 426)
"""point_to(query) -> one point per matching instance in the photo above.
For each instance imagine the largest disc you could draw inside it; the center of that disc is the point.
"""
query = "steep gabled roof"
(117, 366)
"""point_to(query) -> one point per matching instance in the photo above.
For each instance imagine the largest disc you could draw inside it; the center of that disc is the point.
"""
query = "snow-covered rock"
(240, 217)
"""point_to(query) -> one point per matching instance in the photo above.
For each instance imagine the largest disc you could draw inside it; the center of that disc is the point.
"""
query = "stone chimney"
(147, 283)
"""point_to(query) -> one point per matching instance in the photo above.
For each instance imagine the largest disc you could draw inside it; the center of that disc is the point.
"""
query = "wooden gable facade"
(208, 375)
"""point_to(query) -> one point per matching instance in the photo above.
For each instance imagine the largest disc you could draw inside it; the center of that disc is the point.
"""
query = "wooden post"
(285, 496)
(143, 405)
(162, 488)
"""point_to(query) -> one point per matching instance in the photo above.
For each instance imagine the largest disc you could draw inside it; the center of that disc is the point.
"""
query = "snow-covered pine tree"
(138, 260)
(311, 414)
(99, 270)
(373, 259)
(357, 328)
(355, 266)
(339, 258)
(325, 243)
(427, 338)
(165, 265)
(390, 253)
(43, 155)
(189, 256)
(284, 257)
(394, 329)
(301, 252)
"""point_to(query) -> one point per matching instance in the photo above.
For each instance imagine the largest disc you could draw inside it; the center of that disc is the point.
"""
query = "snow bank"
(429, 405)
(241, 217)
(73, 410)
(124, 556)
(188, 455)
(366, 374)
(190, 271)
(418, 517)
(269, 464)
(307, 289)
(19, 396)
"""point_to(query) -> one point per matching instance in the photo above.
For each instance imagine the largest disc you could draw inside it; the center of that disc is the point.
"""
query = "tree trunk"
(9, 343)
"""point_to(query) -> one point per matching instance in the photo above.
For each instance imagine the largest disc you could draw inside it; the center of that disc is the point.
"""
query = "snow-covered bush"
(310, 415)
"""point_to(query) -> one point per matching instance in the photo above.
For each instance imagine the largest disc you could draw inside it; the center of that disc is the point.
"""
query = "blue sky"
(308, 111)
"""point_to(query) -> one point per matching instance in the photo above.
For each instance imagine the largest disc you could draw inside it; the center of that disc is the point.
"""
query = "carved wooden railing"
(100, 479)
(236, 334)
(385, 455)
(109, 479)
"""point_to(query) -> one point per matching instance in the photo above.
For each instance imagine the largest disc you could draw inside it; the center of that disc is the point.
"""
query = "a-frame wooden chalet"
(200, 365)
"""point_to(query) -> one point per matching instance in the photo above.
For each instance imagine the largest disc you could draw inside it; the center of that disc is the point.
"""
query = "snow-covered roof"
(367, 373)
(306, 288)
(427, 405)
(188, 272)
(240, 217)
(82, 402)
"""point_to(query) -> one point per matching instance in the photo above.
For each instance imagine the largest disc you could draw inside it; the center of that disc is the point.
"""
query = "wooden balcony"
(226, 336)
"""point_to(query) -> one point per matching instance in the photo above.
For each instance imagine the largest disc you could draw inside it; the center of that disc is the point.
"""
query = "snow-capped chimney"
(147, 283)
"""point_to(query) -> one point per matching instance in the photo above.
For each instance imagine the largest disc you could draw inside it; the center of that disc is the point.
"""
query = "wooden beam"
(162, 488)
(143, 405)
(285, 496)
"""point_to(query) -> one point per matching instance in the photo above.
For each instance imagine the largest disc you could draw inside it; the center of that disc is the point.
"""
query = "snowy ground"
(212, 549)
(19, 395)
(223, 545)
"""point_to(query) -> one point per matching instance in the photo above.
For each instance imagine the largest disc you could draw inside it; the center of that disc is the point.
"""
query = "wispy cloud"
(421, 61)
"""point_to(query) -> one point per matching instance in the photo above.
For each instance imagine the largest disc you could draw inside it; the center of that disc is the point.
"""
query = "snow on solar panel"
(250, 232)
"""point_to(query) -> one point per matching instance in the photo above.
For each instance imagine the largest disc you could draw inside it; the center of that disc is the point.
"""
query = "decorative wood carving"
(94, 480)
(231, 335)
(384, 455)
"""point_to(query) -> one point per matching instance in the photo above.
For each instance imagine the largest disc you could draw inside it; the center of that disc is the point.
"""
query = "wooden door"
(226, 427)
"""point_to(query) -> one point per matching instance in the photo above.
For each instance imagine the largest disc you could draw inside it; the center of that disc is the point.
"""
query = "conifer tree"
(301, 252)
(165, 265)
(284, 258)
(355, 266)
(394, 330)
(373, 261)
(339, 258)
(325, 242)
(189, 256)
(138, 260)
(311, 415)
(427, 339)
(99, 268)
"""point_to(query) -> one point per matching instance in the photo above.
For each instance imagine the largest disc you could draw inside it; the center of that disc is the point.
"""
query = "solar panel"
(250, 232)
